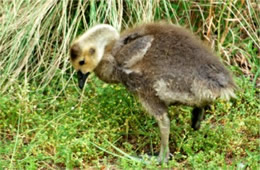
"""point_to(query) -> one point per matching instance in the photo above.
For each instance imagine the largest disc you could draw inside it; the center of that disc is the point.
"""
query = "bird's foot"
(158, 158)
(164, 157)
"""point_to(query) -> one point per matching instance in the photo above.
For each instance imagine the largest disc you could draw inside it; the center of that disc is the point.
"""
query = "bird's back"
(176, 64)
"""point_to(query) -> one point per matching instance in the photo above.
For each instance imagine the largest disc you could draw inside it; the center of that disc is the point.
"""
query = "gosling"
(162, 64)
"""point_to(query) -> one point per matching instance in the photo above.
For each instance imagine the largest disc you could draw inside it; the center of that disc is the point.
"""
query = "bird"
(162, 64)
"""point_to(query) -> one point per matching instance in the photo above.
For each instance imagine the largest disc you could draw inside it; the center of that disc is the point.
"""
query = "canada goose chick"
(161, 64)
(88, 50)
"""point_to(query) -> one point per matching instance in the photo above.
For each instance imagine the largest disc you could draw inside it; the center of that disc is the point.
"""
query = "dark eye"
(81, 63)
(92, 51)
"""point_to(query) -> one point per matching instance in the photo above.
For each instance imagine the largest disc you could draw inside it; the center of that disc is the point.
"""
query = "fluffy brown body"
(163, 64)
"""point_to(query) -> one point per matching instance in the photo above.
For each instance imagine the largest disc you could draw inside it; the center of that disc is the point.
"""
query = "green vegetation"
(46, 122)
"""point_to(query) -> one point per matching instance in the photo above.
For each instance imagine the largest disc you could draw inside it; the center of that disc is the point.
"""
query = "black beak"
(82, 78)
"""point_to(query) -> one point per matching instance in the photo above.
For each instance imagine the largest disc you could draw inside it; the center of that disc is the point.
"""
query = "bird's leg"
(159, 110)
(164, 125)
(197, 117)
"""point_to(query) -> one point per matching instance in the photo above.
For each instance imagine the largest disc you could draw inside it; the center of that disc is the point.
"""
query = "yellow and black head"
(87, 51)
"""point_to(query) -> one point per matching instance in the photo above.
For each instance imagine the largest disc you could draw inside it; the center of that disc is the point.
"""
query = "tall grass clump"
(46, 122)
(35, 35)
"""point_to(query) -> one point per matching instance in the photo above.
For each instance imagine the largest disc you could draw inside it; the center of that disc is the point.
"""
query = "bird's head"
(87, 50)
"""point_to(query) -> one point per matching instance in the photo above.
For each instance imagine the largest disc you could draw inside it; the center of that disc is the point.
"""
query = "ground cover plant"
(46, 122)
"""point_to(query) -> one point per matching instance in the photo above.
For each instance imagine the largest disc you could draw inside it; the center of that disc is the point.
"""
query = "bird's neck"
(107, 69)
(106, 42)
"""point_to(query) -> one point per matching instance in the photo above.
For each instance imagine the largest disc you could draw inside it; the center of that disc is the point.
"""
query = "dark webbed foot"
(196, 117)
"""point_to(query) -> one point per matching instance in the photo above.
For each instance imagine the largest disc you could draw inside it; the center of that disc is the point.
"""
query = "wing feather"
(131, 49)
